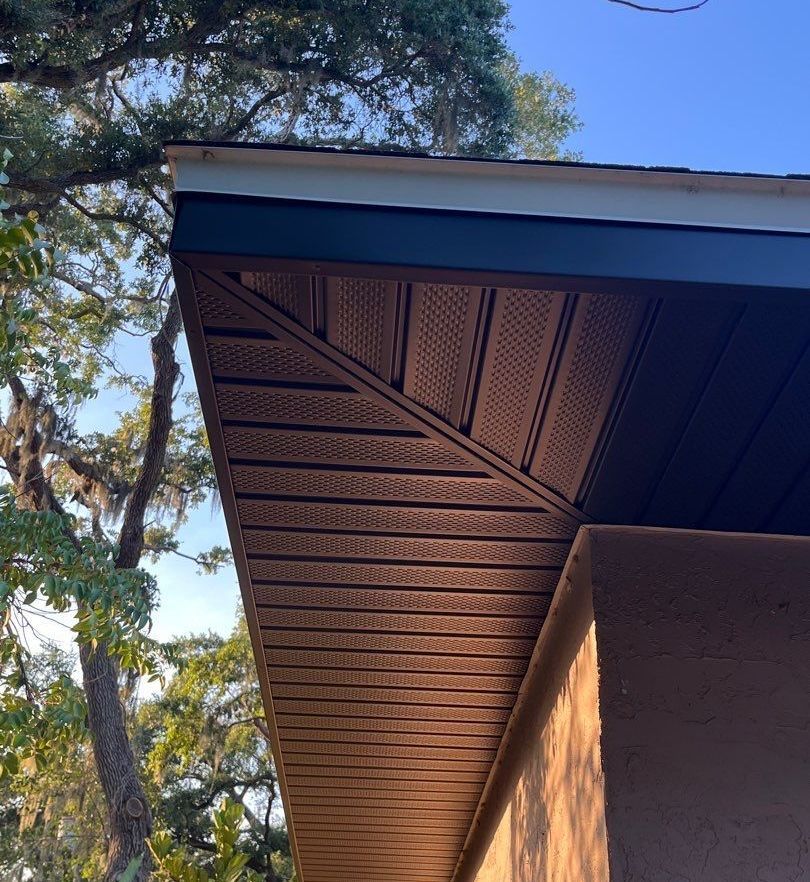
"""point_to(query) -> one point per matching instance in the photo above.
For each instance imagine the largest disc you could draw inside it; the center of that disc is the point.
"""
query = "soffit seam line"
(238, 295)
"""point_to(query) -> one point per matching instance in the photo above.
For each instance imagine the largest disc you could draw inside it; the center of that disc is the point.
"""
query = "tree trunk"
(129, 816)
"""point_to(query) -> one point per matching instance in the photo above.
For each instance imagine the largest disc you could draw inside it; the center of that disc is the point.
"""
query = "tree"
(42, 556)
(89, 91)
(201, 745)
(39, 806)
(204, 739)
(544, 114)
(228, 864)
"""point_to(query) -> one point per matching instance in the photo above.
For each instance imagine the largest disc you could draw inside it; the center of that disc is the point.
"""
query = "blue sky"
(188, 601)
(724, 88)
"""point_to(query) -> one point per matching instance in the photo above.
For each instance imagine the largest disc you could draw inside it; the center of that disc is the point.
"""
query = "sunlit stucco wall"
(547, 822)
(663, 731)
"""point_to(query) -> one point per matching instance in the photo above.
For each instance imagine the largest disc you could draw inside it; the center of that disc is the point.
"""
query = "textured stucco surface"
(545, 816)
(704, 660)
(663, 730)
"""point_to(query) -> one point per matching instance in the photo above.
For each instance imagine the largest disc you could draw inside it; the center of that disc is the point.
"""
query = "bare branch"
(117, 219)
(80, 286)
(643, 8)
(196, 559)
(251, 112)
(167, 209)
(261, 726)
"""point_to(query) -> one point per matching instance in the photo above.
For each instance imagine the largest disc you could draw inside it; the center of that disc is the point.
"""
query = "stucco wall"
(545, 820)
(704, 658)
(663, 731)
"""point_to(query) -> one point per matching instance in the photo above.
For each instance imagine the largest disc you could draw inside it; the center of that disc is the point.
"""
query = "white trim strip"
(681, 198)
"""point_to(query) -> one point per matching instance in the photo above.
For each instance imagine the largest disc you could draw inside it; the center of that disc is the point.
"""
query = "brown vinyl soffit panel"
(396, 553)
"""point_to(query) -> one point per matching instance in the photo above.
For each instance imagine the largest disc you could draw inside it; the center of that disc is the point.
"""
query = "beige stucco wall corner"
(662, 731)
(704, 660)
(542, 814)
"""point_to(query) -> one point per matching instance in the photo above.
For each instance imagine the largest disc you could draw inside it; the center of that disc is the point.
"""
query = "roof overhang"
(473, 221)
(419, 378)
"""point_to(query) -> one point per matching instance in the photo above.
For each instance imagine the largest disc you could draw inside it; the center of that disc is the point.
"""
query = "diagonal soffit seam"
(250, 305)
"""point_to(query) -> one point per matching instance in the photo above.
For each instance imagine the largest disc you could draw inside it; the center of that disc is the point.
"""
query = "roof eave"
(563, 190)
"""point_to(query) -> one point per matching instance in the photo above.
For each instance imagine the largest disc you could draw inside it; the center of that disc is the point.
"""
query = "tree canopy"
(95, 87)
(202, 751)
(204, 739)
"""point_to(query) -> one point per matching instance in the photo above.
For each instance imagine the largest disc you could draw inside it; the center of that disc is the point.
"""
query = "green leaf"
(132, 869)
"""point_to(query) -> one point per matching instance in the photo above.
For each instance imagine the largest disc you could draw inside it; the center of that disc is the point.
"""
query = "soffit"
(404, 463)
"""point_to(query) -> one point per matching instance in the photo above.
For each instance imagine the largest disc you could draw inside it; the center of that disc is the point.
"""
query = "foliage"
(26, 259)
(544, 112)
(23, 253)
(49, 563)
(228, 864)
(204, 738)
(109, 82)
(51, 815)
(43, 560)
(39, 560)
(200, 741)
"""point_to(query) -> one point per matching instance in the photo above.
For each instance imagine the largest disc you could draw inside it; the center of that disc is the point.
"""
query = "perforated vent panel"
(355, 450)
(302, 407)
(399, 623)
(387, 661)
(401, 558)
(401, 548)
(398, 600)
(510, 387)
(502, 524)
(361, 728)
(376, 486)
(360, 321)
(216, 314)
(603, 330)
(330, 572)
(430, 710)
(398, 679)
(412, 643)
(262, 359)
(290, 293)
(442, 323)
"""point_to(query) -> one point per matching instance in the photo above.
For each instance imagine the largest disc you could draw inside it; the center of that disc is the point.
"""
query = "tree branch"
(261, 102)
(86, 177)
(261, 726)
(116, 219)
(94, 482)
(642, 8)
(157, 437)
(21, 449)
(254, 862)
